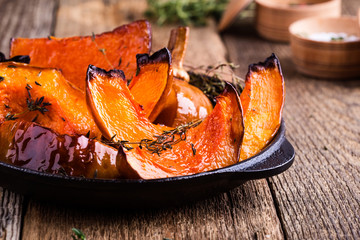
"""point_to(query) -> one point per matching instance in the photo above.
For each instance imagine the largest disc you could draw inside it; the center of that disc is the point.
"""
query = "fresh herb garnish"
(78, 234)
(161, 142)
(102, 50)
(337, 39)
(32, 105)
(190, 12)
(209, 79)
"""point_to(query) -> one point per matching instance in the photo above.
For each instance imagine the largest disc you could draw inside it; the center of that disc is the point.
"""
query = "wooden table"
(317, 198)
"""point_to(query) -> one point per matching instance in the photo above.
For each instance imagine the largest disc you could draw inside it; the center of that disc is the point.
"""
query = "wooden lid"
(232, 9)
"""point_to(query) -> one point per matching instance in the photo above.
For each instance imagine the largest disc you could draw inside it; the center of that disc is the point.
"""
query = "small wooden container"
(273, 17)
(331, 60)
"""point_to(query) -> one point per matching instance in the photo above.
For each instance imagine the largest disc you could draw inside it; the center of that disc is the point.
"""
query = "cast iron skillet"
(127, 193)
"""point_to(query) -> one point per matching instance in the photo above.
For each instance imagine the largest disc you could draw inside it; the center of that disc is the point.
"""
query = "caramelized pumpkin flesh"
(109, 50)
(262, 100)
(45, 97)
(215, 143)
(116, 113)
(153, 81)
(185, 104)
(28, 145)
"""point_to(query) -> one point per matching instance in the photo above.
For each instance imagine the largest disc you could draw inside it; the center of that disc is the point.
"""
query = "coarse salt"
(331, 37)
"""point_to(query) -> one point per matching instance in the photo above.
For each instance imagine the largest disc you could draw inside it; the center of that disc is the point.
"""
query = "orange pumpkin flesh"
(153, 81)
(115, 49)
(67, 113)
(215, 143)
(28, 145)
(177, 46)
(116, 113)
(186, 104)
(262, 100)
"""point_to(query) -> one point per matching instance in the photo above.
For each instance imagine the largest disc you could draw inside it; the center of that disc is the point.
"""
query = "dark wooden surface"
(317, 198)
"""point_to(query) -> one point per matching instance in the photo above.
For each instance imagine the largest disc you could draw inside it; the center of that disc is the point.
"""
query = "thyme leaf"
(102, 50)
(190, 12)
(165, 141)
(32, 105)
(209, 79)
(78, 234)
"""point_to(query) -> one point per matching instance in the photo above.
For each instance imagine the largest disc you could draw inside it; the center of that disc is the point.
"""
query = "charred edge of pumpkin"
(18, 59)
(94, 71)
(269, 63)
(161, 56)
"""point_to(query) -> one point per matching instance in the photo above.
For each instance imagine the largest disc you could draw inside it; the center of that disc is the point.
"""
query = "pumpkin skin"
(262, 100)
(67, 113)
(28, 145)
(109, 50)
(215, 143)
(152, 83)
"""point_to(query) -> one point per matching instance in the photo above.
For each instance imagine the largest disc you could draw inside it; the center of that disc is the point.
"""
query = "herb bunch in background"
(185, 12)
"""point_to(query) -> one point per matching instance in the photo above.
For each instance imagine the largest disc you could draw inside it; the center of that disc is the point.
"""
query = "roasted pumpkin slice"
(177, 46)
(262, 100)
(116, 113)
(186, 103)
(109, 50)
(153, 81)
(28, 145)
(44, 96)
(214, 143)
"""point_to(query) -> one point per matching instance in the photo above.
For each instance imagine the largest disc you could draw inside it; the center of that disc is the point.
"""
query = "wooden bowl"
(332, 60)
(273, 17)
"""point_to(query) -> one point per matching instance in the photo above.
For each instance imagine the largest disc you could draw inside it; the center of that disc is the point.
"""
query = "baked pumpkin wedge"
(262, 101)
(28, 145)
(44, 96)
(153, 81)
(115, 111)
(185, 103)
(109, 50)
(213, 144)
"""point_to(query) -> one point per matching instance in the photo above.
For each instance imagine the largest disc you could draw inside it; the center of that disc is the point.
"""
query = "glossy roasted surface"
(28, 145)
(115, 49)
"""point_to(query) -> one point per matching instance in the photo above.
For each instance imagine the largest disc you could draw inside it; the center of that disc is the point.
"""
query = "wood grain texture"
(319, 197)
(247, 212)
(33, 19)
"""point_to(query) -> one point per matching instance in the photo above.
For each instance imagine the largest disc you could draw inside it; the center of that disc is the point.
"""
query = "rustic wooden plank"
(319, 197)
(33, 19)
(244, 213)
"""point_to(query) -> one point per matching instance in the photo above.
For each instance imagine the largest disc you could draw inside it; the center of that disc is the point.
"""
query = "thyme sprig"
(160, 143)
(185, 12)
(102, 50)
(209, 79)
(78, 234)
(32, 105)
